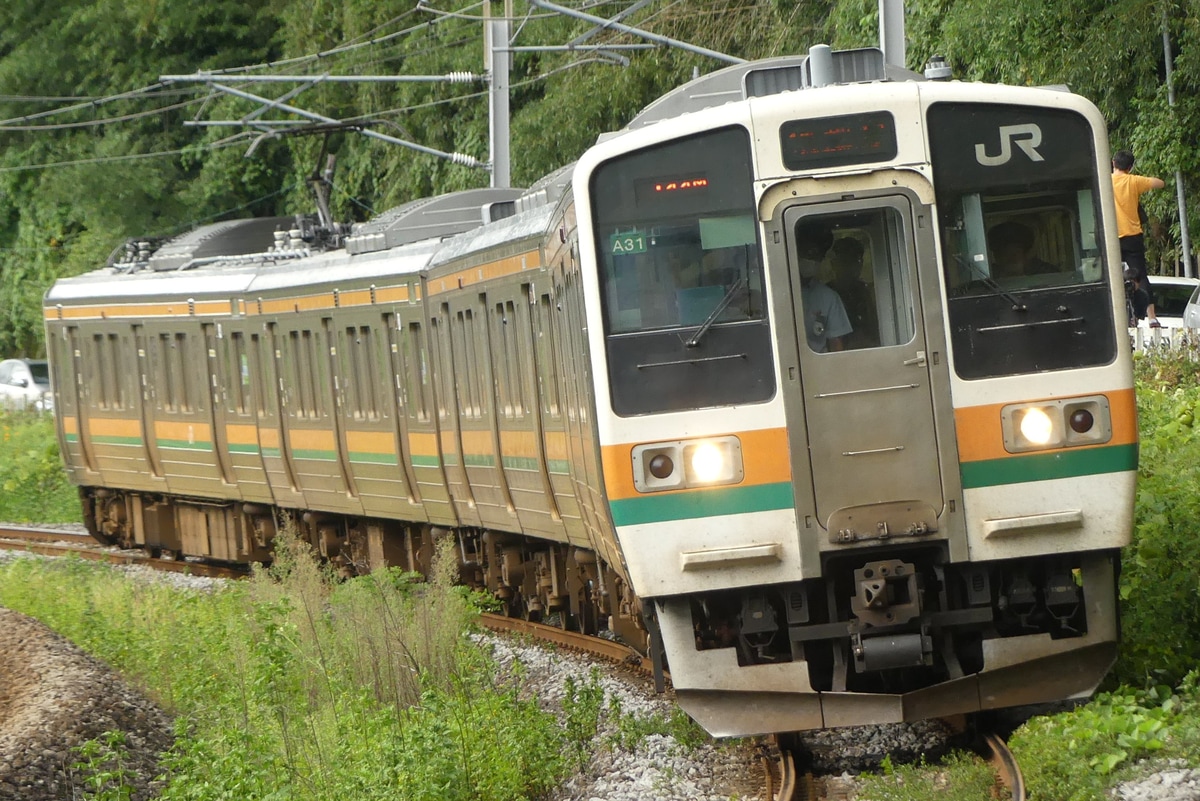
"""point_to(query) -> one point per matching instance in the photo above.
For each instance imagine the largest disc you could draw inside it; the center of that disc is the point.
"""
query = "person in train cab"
(1127, 192)
(1012, 248)
(846, 256)
(826, 324)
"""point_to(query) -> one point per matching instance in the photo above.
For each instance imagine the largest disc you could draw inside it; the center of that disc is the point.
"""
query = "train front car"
(866, 415)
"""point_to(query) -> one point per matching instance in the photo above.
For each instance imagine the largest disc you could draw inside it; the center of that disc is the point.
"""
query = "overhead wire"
(367, 39)
(109, 120)
(227, 142)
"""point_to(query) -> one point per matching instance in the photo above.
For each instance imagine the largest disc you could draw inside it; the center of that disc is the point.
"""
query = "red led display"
(838, 141)
(680, 184)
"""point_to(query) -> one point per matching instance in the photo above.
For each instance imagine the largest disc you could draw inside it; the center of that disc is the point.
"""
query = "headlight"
(685, 464)
(1036, 426)
(1045, 425)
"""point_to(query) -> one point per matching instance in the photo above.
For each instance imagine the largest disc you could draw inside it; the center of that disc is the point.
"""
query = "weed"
(103, 766)
(582, 706)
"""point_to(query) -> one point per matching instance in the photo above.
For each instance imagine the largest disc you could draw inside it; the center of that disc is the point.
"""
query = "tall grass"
(33, 485)
(292, 686)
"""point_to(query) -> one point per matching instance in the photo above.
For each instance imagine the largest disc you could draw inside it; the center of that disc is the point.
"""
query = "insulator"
(462, 77)
(465, 160)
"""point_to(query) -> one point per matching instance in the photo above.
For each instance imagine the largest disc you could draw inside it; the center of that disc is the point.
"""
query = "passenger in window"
(826, 324)
(846, 256)
(1012, 244)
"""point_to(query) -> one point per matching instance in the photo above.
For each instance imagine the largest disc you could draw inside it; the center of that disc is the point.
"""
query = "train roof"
(432, 218)
(766, 77)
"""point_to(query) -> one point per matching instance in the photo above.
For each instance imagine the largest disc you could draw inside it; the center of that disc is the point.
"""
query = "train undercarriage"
(891, 637)
(534, 579)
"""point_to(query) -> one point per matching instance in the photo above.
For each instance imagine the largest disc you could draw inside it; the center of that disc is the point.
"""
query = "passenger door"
(867, 410)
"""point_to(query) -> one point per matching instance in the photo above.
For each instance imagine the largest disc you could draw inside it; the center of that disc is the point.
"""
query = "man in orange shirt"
(1128, 190)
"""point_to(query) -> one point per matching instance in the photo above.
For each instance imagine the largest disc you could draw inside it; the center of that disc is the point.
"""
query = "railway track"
(783, 781)
(59, 542)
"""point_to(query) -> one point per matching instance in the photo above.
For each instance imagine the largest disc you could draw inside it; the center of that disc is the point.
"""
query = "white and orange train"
(816, 386)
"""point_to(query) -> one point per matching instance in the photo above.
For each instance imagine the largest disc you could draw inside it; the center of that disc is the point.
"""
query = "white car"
(25, 384)
(1191, 310)
(1173, 296)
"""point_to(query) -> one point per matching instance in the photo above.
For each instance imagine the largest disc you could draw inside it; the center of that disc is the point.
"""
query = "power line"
(233, 140)
(108, 120)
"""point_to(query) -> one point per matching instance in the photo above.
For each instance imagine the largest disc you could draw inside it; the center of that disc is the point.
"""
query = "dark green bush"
(1160, 591)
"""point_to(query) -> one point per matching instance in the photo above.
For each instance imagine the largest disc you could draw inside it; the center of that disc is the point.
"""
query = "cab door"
(863, 394)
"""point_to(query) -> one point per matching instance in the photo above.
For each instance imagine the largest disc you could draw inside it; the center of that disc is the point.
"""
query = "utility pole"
(1185, 242)
(498, 62)
(891, 32)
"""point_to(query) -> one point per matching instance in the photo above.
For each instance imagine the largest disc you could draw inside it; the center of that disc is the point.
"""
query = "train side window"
(301, 344)
(240, 373)
(104, 369)
(120, 376)
(418, 370)
(183, 365)
(358, 372)
(502, 362)
(513, 329)
(446, 385)
(369, 385)
(500, 367)
(351, 371)
(166, 377)
(547, 358)
(466, 379)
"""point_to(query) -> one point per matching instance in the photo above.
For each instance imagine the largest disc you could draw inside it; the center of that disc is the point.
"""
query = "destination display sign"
(838, 141)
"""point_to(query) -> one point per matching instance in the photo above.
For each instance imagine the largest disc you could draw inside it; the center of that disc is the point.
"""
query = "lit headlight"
(1036, 426)
(1045, 425)
(686, 464)
(707, 461)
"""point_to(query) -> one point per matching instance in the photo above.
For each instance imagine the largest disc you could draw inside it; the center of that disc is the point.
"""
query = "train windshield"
(1022, 246)
(676, 233)
(681, 275)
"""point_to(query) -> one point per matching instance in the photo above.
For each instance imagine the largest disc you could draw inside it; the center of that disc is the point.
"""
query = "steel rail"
(1005, 765)
(51, 542)
(606, 649)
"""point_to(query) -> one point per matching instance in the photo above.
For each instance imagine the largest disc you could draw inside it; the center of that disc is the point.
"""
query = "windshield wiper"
(716, 312)
(991, 284)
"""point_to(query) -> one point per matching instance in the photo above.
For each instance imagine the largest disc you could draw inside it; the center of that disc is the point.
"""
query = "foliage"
(1159, 592)
(294, 686)
(1078, 755)
(33, 484)
(65, 219)
(582, 706)
(102, 763)
(957, 776)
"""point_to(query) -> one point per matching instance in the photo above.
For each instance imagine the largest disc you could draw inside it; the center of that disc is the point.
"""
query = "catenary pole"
(1185, 242)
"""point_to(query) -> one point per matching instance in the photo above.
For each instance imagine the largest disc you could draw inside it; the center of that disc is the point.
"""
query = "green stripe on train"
(111, 440)
(314, 454)
(661, 507)
(1044, 466)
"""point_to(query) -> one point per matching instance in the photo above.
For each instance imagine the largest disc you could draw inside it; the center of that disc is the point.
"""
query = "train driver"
(826, 324)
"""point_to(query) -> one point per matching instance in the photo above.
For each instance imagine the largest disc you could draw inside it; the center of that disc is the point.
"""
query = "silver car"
(25, 384)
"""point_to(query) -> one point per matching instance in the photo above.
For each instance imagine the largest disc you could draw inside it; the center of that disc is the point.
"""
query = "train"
(811, 383)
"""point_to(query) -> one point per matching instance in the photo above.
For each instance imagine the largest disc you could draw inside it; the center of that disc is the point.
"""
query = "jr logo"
(1026, 136)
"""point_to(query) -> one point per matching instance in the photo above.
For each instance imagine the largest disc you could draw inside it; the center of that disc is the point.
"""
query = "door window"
(853, 273)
